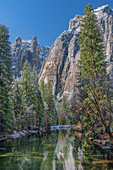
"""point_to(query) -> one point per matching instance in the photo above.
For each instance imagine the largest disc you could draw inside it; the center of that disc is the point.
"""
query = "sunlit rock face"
(30, 50)
(60, 67)
(105, 17)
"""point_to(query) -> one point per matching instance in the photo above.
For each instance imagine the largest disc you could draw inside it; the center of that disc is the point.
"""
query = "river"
(58, 150)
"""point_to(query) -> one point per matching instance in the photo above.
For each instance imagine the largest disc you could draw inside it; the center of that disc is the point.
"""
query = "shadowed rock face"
(60, 67)
(30, 50)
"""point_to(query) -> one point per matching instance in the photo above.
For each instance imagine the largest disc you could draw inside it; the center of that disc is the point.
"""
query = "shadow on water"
(59, 150)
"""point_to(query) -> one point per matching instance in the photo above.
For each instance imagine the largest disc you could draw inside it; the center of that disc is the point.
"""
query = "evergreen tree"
(74, 110)
(17, 107)
(50, 111)
(50, 116)
(27, 93)
(91, 50)
(94, 92)
(43, 90)
(5, 79)
(38, 106)
(58, 109)
(31, 96)
(65, 110)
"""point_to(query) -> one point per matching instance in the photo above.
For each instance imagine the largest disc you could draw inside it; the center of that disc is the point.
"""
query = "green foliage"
(27, 93)
(64, 111)
(5, 80)
(74, 110)
(26, 82)
(50, 108)
(64, 116)
(43, 90)
(91, 50)
(50, 116)
(61, 113)
(68, 111)
(49, 97)
(94, 90)
(64, 103)
(19, 119)
(31, 96)
(22, 105)
(38, 103)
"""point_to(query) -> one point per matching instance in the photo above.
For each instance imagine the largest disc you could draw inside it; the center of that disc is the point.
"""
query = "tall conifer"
(5, 79)
(91, 50)
(93, 91)
(27, 92)
(17, 107)
(50, 104)
(38, 103)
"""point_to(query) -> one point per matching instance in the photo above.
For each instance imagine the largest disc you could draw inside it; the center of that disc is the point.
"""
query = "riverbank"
(57, 149)
(103, 143)
(33, 130)
(16, 135)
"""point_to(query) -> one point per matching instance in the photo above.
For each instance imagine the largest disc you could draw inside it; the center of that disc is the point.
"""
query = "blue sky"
(46, 19)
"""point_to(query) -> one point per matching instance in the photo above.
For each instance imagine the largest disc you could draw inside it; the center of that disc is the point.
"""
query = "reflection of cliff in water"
(58, 150)
(67, 156)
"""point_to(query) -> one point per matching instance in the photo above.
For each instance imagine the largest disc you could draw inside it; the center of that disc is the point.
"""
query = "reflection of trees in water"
(74, 152)
(65, 150)
(94, 158)
(33, 153)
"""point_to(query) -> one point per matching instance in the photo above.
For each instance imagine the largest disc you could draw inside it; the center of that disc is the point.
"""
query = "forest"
(25, 102)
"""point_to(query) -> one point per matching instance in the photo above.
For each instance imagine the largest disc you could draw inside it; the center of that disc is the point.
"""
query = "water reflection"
(65, 152)
(59, 150)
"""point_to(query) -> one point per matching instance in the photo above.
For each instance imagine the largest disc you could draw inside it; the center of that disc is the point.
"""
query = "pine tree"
(58, 109)
(74, 110)
(31, 96)
(17, 107)
(5, 80)
(65, 110)
(50, 111)
(91, 50)
(50, 116)
(27, 93)
(43, 90)
(94, 92)
(38, 106)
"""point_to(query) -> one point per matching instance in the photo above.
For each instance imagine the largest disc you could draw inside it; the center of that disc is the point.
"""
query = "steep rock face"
(60, 67)
(30, 50)
(105, 18)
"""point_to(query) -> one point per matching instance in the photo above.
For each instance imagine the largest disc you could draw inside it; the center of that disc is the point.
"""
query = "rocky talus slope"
(60, 67)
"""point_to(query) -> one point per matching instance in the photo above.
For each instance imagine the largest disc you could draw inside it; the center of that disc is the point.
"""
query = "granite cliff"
(60, 67)
(30, 50)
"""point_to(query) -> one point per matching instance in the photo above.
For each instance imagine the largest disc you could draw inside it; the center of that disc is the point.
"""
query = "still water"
(58, 150)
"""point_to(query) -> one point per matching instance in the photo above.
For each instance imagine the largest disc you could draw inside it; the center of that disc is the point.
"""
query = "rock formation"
(60, 67)
(30, 50)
